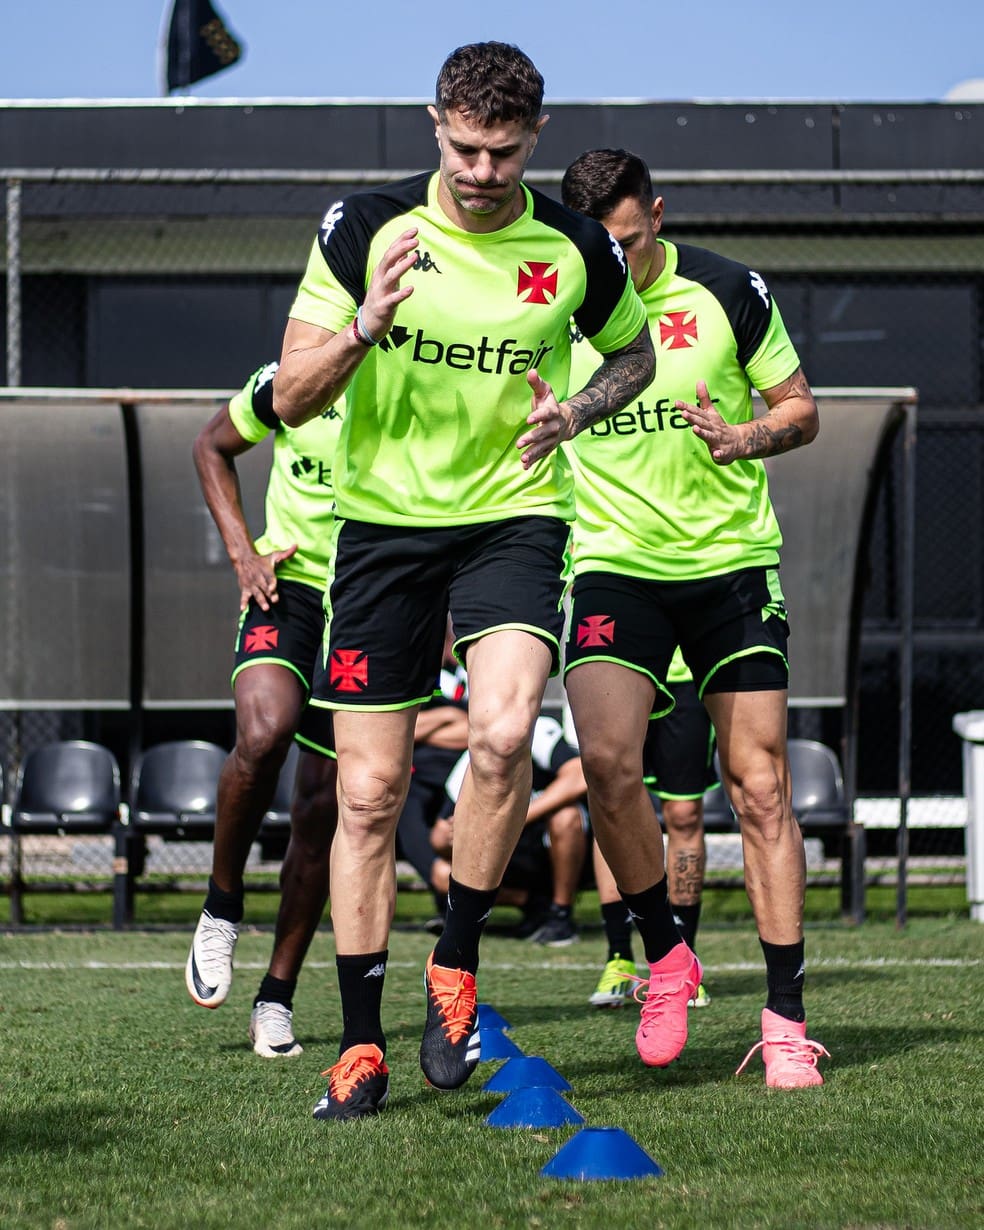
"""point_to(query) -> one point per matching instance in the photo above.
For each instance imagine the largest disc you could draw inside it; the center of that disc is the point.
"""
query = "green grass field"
(124, 1104)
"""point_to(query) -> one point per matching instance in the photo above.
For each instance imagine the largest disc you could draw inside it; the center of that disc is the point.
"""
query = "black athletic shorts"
(391, 589)
(289, 634)
(678, 755)
(731, 629)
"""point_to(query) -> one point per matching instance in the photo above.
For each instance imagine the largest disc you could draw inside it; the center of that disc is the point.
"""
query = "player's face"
(481, 168)
(635, 225)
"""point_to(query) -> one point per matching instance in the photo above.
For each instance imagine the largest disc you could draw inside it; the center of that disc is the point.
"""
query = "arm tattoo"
(766, 439)
(622, 376)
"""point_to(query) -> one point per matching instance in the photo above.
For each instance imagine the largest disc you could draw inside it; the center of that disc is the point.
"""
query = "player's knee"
(499, 742)
(262, 745)
(683, 817)
(609, 771)
(566, 822)
(758, 798)
(369, 805)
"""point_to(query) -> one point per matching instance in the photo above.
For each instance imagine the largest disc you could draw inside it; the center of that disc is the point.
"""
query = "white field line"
(732, 967)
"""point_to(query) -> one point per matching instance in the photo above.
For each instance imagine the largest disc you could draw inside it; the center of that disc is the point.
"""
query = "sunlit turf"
(124, 1104)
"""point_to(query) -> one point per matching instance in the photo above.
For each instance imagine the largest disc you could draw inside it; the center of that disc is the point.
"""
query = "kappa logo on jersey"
(424, 263)
(679, 329)
(490, 358)
(617, 249)
(759, 286)
(265, 636)
(595, 630)
(349, 670)
(534, 278)
(331, 219)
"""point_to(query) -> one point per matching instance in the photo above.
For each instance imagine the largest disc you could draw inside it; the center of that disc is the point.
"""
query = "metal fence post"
(13, 265)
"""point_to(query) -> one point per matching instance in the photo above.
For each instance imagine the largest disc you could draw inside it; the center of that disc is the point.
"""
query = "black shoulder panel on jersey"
(743, 294)
(261, 398)
(603, 260)
(350, 224)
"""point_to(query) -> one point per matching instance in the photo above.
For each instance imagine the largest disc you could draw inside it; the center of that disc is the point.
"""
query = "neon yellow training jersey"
(299, 496)
(435, 410)
(651, 502)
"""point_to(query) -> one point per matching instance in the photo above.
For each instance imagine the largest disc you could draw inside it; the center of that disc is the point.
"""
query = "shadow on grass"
(59, 1129)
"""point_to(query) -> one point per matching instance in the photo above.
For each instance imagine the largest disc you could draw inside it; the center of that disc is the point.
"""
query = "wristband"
(361, 331)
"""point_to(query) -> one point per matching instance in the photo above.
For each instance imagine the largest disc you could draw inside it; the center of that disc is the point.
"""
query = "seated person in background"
(440, 736)
(678, 768)
(544, 872)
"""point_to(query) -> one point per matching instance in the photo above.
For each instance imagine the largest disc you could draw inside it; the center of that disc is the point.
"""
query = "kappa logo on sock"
(800, 973)
(633, 916)
(486, 916)
(377, 971)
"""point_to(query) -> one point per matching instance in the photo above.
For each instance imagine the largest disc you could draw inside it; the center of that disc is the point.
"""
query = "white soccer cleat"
(271, 1032)
(208, 974)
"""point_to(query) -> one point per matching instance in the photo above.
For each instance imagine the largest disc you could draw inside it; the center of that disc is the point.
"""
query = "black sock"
(618, 930)
(220, 904)
(360, 981)
(687, 918)
(468, 912)
(653, 917)
(276, 991)
(784, 974)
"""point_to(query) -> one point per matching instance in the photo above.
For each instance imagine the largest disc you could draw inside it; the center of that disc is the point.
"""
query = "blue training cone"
(601, 1153)
(496, 1045)
(533, 1108)
(525, 1072)
(488, 1018)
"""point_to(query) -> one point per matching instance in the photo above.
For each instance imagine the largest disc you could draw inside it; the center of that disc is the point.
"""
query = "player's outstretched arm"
(790, 421)
(216, 447)
(316, 364)
(623, 375)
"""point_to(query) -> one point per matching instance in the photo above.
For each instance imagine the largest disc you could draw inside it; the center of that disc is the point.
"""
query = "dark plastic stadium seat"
(820, 806)
(71, 787)
(67, 787)
(818, 786)
(174, 788)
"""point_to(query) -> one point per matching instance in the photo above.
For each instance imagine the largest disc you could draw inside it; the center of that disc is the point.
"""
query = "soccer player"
(441, 304)
(678, 765)
(281, 579)
(676, 543)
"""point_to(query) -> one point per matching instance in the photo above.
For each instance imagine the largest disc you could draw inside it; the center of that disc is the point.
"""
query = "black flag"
(198, 43)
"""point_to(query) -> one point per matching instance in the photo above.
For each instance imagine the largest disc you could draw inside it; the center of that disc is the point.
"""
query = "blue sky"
(844, 50)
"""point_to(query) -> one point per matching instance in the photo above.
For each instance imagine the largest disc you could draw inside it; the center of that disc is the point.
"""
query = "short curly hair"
(597, 181)
(491, 83)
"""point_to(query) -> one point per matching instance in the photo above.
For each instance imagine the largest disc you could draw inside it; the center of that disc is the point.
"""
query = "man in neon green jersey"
(281, 580)
(676, 542)
(441, 304)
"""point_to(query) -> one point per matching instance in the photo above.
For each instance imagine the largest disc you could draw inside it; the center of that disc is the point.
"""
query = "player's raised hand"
(257, 577)
(723, 439)
(548, 418)
(385, 294)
